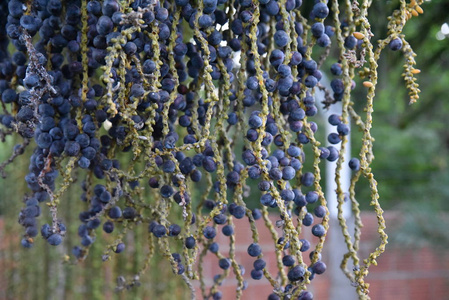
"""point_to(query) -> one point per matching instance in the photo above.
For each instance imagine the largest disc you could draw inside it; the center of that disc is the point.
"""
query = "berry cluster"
(182, 98)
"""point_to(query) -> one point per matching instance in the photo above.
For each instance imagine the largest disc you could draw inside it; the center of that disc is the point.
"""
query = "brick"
(419, 288)
(210, 265)
(375, 289)
(385, 262)
(257, 290)
(443, 260)
(320, 287)
(242, 231)
(402, 273)
(426, 260)
(395, 289)
(440, 287)
(405, 260)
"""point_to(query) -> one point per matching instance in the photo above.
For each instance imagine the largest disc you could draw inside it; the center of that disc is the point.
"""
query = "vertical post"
(331, 185)
(340, 287)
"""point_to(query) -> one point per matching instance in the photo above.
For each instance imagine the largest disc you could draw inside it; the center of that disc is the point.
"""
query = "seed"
(419, 9)
(367, 84)
(358, 35)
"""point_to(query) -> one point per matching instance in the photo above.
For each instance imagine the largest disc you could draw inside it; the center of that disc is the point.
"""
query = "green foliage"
(412, 161)
(421, 225)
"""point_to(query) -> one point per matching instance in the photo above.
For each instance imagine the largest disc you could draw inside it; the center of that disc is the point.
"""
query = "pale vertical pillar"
(340, 286)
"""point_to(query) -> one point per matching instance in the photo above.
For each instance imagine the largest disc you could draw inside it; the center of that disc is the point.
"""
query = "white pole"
(340, 287)
(345, 174)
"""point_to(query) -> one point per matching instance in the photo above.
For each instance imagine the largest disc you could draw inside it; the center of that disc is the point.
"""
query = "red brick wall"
(401, 273)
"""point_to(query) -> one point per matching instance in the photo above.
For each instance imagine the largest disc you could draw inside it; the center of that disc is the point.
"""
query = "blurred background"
(411, 166)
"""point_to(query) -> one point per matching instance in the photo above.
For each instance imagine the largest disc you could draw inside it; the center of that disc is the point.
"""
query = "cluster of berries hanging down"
(202, 98)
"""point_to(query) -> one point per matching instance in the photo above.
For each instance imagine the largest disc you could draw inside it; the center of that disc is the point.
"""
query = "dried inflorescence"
(207, 97)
